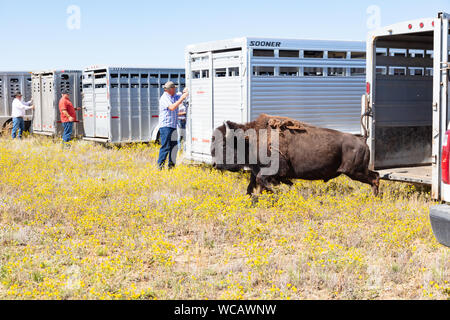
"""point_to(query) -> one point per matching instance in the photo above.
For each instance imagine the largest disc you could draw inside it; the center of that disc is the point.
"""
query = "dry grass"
(97, 223)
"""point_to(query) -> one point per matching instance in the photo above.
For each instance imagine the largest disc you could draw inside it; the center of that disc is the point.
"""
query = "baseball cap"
(169, 85)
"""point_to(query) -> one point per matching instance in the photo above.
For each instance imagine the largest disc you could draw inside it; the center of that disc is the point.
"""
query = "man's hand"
(185, 94)
(177, 104)
(71, 119)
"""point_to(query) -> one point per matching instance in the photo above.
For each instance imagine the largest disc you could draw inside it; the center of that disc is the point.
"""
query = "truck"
(10, 84)
(316, 81)
(406, 110)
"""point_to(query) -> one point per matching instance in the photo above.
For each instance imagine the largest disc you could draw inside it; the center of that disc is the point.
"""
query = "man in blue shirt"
(168, 121)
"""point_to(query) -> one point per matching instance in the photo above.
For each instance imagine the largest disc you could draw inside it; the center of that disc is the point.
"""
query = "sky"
(49, 34)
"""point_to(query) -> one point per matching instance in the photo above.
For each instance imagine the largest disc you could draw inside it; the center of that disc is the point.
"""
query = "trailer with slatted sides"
(315, 81)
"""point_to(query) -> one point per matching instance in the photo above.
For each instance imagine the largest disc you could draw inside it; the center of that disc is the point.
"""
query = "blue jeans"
(181, 133)
(18, 125)
(68, 129)
(168, 147)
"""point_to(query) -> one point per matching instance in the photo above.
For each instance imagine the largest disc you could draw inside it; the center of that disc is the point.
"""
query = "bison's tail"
(363, 125)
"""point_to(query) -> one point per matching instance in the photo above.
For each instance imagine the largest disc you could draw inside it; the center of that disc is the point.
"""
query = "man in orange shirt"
(68, 116)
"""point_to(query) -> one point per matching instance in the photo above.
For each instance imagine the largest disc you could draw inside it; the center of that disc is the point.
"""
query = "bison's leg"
(375, 177)
(252, 185)
(277, 181)
(264, 183)
(371, 178)
(332, 177)
(287, 182)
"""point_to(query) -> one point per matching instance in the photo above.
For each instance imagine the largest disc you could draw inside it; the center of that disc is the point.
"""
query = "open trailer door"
(88, 104)
(37, 100)
(440, 214)
(201, 107)
(441, 87)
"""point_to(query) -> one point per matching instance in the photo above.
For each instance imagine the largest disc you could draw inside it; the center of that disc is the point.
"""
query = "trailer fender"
(4, 122)
(6, 127)
(155, 134)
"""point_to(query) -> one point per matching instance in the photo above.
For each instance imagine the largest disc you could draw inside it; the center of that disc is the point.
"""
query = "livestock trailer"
(315, 81)
(10, 84)
(121, 105)
(406, 107)
(47, 91)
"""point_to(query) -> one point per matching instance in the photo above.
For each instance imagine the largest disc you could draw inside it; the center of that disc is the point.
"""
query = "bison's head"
(236, 147)
(229, 148)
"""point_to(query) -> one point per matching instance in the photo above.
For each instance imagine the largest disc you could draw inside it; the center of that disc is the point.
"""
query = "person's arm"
(66, 113)
(177, 104)
(26, 105)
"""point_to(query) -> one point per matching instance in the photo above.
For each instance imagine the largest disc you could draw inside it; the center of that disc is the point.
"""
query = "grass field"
(98, 223)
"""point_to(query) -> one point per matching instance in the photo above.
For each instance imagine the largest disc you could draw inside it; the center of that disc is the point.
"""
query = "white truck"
(406, 109)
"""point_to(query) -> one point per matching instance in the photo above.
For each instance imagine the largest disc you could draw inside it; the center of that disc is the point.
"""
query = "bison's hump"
(286, 124)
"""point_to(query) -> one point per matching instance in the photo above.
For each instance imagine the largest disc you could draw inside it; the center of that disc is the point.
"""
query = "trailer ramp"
(419, 175)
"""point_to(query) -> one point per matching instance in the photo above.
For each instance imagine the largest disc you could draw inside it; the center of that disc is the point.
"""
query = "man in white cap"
(18, 113)
(168, 121)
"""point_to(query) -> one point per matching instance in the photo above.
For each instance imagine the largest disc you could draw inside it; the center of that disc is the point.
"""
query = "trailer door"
(228, 87)
(37, 100)
(88, 104)
(201, 105)
(48, 112)
(441, 87)
(3, 97)
(101, 103)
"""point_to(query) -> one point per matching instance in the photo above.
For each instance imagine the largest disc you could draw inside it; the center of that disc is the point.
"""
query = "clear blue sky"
(34, 34)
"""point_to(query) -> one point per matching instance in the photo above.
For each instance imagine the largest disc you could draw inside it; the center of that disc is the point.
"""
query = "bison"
(302, 152)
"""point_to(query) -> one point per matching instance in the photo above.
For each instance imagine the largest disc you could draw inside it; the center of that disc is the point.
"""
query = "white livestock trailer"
(48, 87)
(315, 81)
(10, 84)
(407, 108)
(121, 105)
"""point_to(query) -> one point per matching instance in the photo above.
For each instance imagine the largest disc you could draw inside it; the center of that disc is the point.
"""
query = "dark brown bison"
(300, 151)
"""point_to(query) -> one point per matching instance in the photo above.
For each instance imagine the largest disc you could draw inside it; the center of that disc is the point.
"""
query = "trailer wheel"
(440, 221)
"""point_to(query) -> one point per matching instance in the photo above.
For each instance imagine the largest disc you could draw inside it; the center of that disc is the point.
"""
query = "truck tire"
(440, 221)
